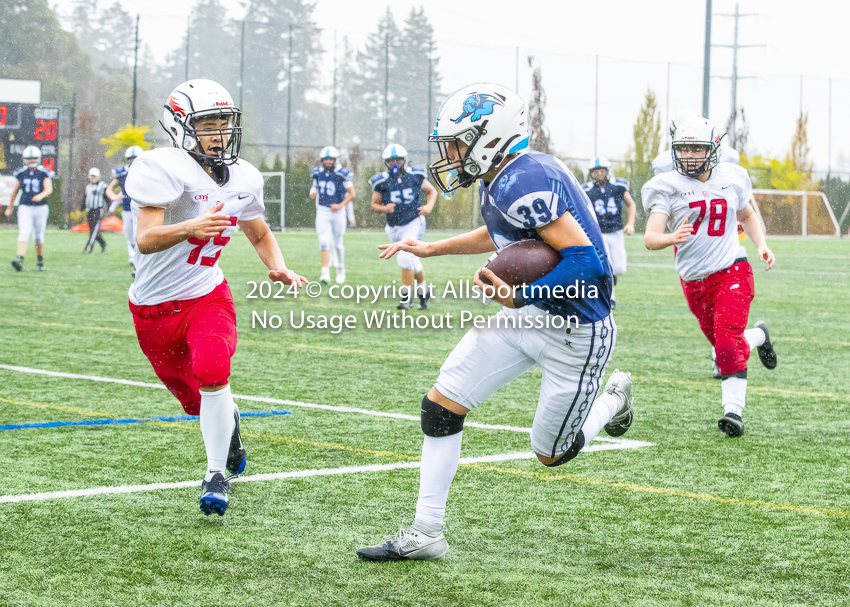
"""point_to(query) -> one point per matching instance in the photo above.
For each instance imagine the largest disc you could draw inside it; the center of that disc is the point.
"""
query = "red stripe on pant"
(721, 303)
(189, 343)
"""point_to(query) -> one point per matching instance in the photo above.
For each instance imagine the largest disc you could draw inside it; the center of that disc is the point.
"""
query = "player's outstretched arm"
(752, 227)
(376, 205)
(110, 190)
(629, 228)
(655, 237)
(152, 236)
(261, 237)
(471, 243)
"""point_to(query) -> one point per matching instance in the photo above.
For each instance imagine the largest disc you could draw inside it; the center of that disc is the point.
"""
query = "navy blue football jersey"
(608, 203)
(331, 184)
(402, 191)
(532, 191)
(120, 173)
(32, 183)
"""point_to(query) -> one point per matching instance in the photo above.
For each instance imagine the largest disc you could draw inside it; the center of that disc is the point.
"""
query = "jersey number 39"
(201, 243)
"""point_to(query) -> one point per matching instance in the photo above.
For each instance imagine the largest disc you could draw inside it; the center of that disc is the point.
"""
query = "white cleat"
(620, 385)
(325, 276)
(340, 276)
(407, 545)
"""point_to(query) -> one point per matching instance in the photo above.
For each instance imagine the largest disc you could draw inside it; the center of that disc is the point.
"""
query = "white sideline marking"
(279, 401)
(54, 495)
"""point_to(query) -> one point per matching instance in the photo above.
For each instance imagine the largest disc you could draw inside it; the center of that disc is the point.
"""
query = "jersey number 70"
(200, 244)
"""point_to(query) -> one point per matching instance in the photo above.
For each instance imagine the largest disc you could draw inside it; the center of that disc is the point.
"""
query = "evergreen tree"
(800, 147)
(539, 135)
(214, 45)
(348, 109)
(647, 131)
(374, 97)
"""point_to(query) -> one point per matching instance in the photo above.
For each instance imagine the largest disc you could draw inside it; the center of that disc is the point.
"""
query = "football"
(523, 262)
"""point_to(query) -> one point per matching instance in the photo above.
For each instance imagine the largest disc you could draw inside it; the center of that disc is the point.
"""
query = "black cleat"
(214, 496)
(732, 425)
(423, 300)
(103, 247)
(237, 457)
(18, 264)
(766, 352)
(40, 265)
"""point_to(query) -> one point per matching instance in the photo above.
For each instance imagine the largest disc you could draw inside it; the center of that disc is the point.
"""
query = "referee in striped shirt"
(94, 203)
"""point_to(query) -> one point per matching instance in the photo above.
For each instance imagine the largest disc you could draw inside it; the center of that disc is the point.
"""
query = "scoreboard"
(25, 124)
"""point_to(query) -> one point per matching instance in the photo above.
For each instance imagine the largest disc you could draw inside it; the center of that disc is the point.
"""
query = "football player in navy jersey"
(35, 183)
(119, 176)
(396, 192)
(482, 134)
(332, 189)
(607, 197)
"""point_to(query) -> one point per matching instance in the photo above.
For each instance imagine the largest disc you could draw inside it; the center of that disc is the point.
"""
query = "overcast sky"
(635, 41)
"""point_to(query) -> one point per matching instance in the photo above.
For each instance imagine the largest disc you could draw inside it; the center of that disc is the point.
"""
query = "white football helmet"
(680, 117)
(692, 134)
(32, 156)
(329, 152)
(394, 156)
(192, 100)
(490, 120)
(599, 162)
(132, 152)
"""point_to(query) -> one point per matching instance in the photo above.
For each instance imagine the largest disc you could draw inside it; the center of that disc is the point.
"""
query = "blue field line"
(131, 420)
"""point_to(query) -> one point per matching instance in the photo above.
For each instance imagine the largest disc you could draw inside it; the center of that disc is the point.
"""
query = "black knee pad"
(438, 421)
(738, 374)
(576, 446)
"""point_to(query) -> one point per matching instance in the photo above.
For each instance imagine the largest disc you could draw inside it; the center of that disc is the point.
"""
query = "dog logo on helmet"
(478, 106)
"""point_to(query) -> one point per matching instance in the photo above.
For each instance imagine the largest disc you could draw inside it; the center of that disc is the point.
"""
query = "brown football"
(523, 262)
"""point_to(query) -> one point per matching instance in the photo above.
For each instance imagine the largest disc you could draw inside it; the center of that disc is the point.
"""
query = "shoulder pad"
(587, 186)
(19, 171)
(417, 171)
(343, 172)
(316, 171)
(378, 178)
(50, 174)
(621, 182)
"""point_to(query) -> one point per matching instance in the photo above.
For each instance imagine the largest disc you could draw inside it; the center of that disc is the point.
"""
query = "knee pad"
(437, 421)
(576, 446)
(211, 362)
(325, 242)
(405, 260)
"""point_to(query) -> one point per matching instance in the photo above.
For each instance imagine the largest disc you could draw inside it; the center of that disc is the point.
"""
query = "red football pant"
(721, 303)
(189, 342)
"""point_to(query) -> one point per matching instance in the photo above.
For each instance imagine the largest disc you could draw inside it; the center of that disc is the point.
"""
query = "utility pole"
(430, 94)
(288, 104)
(735, 77)
(188, 26)
(386, 86)
(242, 64)
(706, 66)
(333, 128)
(135, 68)
(596, 110)
(667, 110)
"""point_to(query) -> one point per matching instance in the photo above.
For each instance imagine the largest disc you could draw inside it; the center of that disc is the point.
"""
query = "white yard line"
(288, 403)
(56, 495)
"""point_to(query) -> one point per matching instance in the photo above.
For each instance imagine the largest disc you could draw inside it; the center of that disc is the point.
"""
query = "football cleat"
(732, 425)
(103, 247)
(340, 276)
(404, 304)
(325, 276)
(620, 385)
(407, 545)
(237, 457)
(18, 264)
(766, 352)
(40, 266)
(424, 299)
(214, 495)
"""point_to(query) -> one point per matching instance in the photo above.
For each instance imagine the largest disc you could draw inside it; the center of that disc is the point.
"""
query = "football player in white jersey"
(188, 201)
(700, 205)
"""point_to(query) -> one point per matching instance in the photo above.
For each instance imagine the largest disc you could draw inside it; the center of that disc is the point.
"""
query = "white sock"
(755, 337)
(604, 408)
(421, 289)
(734, 391)
(217, 427)
(440, 457)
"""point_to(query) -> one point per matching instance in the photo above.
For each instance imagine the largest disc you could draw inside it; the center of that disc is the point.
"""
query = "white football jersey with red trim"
(172, 180)
(712, 209)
